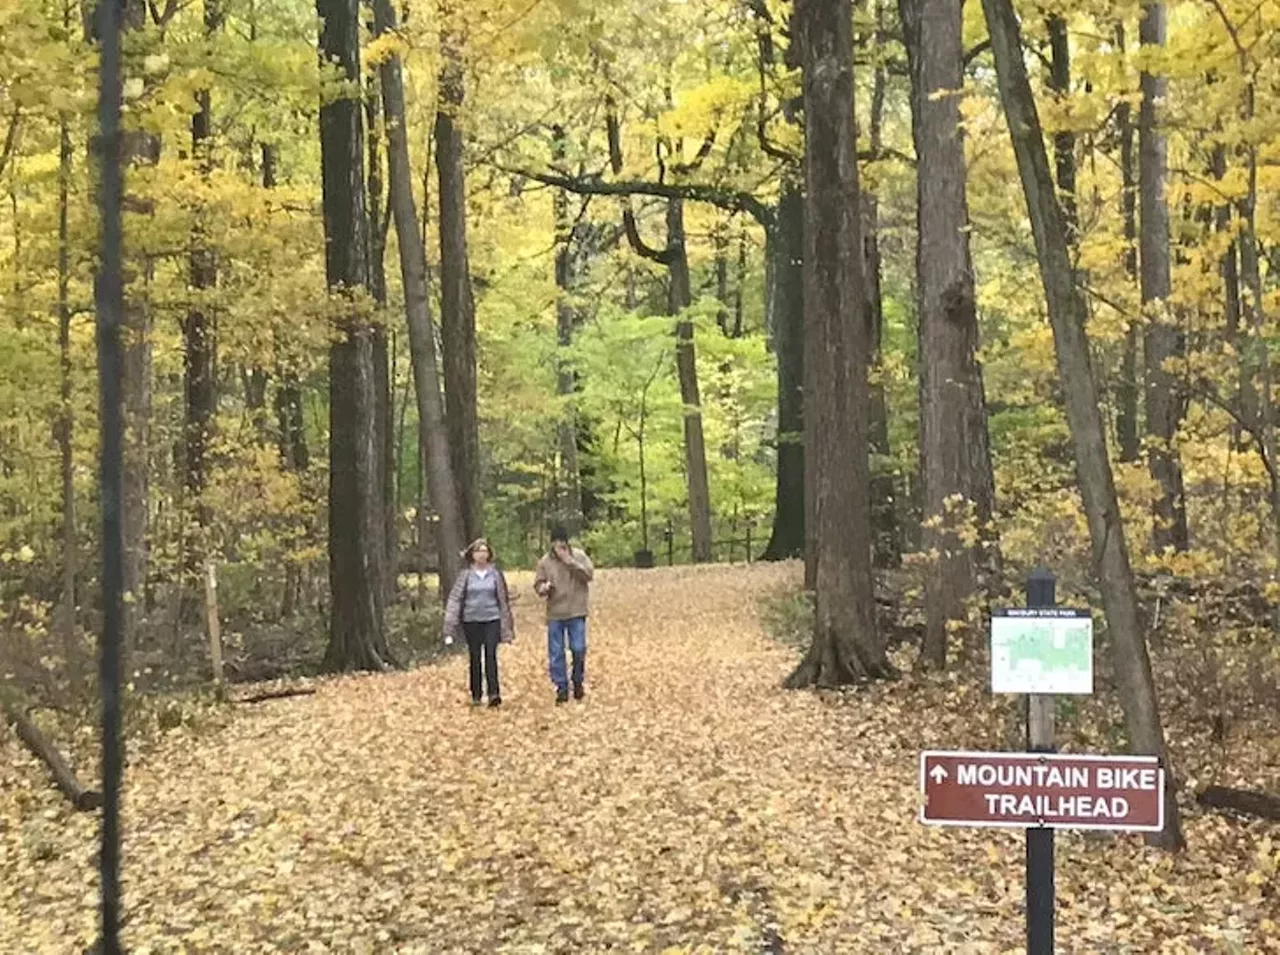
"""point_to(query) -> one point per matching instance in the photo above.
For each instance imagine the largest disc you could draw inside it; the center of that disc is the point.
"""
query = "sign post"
(1041, 594)
(1038, 651)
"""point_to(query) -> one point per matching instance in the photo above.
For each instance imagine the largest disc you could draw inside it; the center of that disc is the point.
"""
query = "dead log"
(278, 694)
(40, 746)
(1247, 801)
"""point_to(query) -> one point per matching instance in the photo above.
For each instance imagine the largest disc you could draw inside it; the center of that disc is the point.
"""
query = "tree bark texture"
(1110, 553)
(846, 646)
(356, 639)
(954, 447)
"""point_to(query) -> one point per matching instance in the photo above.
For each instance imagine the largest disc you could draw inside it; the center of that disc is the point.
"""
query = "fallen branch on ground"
(1247, 801)
(40, 746)
(277, 694)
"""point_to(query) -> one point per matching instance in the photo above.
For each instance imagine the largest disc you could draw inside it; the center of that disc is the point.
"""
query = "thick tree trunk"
(356, 638)
(846, 646)
(784, 253)
(569, 478)
(1164, 341)
(954, 448)
(1066, 307)
(199, 371)
(1130, 386)
(680, 297)
(432, 429)
(457, 304)
(140, 148)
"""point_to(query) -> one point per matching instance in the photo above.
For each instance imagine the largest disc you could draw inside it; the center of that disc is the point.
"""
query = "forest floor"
(688, 804)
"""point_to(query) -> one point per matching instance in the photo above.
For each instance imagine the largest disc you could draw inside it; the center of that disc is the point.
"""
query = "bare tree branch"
(592, 185)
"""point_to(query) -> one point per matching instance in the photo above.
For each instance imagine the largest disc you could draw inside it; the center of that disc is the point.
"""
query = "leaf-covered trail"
(687, 803)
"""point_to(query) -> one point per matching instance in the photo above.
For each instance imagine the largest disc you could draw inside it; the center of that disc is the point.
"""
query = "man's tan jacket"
(569, 582)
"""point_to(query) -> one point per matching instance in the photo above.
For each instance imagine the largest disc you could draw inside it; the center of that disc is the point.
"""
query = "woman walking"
(480, 605)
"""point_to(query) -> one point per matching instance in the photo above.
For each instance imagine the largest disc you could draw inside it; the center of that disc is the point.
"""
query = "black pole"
(109, 302)
(1041, 593)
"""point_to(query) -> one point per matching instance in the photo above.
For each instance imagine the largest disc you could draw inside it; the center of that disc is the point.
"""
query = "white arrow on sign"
(938, 774)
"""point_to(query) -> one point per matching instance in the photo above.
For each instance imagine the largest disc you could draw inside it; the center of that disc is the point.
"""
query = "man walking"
(563, 577)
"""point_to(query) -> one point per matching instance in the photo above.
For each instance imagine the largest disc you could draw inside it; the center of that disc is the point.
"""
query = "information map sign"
(1031, 790)
(1045, 651)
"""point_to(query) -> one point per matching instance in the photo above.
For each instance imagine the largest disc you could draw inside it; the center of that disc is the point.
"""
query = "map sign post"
(1056, 664)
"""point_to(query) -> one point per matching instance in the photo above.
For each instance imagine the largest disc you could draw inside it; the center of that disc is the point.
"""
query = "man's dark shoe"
(562, 696)
(578, 691)
(496, 701)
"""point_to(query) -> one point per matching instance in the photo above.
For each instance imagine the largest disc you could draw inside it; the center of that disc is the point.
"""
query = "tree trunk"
(886, 545)
(679, 298)
(846, 646)
(1163, 340)
(1064, 140)
(1084, 417)
(570, 480)
(739, 288)
(200, 373)
(954, 449)
(1233, 307)
(457, 304)
(784, 253)
(356, 638)
(140, 148)
(65, 426)
(432, 429)
(1130, 387)
(720, 241)
(384, 437)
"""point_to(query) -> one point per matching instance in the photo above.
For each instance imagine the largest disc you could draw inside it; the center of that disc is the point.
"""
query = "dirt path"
(688, 804)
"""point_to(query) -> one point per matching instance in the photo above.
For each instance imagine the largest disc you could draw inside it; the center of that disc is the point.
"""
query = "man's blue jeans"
(575, 628)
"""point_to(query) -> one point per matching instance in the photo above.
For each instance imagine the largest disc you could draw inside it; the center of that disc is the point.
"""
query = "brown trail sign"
(1042, 790)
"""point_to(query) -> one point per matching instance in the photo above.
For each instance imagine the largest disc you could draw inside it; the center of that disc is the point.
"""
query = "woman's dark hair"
(558, 533)
(468, 555)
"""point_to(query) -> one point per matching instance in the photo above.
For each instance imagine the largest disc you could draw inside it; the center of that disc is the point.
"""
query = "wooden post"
(212, 624)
